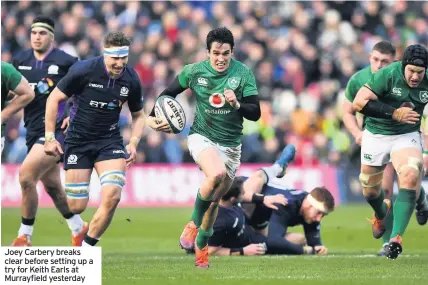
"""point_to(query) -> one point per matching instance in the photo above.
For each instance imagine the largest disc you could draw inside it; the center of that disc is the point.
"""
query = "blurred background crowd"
(302, 54)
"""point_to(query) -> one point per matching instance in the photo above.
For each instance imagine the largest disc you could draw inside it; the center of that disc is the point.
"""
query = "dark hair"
(221, 35)
(235, 189)
(44, 19)
(116, 39)
(385, 47)
(321, 194)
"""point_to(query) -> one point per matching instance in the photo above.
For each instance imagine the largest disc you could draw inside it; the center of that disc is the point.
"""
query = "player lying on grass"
(235, 234)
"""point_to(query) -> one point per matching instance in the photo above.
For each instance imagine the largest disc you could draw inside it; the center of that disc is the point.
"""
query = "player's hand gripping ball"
(170, 111)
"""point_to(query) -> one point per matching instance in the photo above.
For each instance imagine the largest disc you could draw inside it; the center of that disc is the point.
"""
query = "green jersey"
(356, 82)
(10, 79)
(215, 119)
(391, 88)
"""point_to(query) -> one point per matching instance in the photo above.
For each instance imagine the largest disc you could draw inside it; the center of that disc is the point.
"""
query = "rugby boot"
(22, 240)
(78, 239)
(394, 247)
(284, 159)
(201, 257)
(188, 237)
(378, 226)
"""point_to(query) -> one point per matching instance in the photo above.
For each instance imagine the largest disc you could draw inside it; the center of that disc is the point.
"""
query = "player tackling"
(99, 86)
(393, 100)
(226, 93)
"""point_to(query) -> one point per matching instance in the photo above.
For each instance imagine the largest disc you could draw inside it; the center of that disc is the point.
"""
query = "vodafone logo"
(217, 100)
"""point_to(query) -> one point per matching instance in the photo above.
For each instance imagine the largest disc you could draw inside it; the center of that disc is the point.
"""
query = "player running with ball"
(226, 93)
(393, 100)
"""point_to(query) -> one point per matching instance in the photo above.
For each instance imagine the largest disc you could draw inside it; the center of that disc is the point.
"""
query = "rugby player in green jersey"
(226, 93)
(393, 101)
(12, 80)
(382, 55)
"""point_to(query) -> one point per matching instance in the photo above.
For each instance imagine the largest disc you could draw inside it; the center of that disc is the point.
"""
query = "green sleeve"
(352, 89)
(185, 75)
(250, 87)
(13, 77)
(379, 82)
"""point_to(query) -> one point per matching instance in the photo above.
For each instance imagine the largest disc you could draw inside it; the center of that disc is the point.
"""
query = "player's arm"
(135, 104)
(251, 249)
(349, 115)
(249, 107)
(366, 102)
(276, 243)
(313, 238)
(23, 92)
(66, 87)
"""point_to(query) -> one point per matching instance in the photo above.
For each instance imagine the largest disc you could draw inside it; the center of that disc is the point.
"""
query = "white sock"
(25, 230)
(75, 224)
(86, 244)
(272, 171)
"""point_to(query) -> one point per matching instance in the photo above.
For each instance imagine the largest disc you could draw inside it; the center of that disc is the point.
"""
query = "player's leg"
(387, 186)
(259, 178)
(375, 150)
(407, 161)
(34, 166)
(52, 182)
(112, 178)
(199, 146)
(213, 188)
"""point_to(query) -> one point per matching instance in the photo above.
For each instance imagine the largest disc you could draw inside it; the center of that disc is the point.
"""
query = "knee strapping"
(371, 180)
(412, 162)
(114, 177)
(77, 190)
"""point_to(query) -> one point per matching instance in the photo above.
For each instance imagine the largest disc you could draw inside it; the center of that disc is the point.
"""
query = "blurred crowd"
(302, 54)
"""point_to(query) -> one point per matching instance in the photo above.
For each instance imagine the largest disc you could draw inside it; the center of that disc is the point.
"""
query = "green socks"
(201, 206)
(202, 237)
(403, 208)
(389, 221)
(378, 205)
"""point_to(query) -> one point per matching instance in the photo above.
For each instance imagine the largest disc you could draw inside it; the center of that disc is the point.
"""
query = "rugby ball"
(166, 107)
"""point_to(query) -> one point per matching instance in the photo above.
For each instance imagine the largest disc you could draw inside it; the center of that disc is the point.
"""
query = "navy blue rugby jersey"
(98, 99)
(43, 76)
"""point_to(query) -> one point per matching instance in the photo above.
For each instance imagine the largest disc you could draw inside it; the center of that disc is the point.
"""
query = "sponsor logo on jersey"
(423, 95)
(72, 159)
(367, 157)
(396, 91)
(217, 100)
(118, 151)
(124, 91)
(233, 82)
(111, 106)
(24, 67)
(96, 85)
(217, 111)
(202, 81)
(53, 69)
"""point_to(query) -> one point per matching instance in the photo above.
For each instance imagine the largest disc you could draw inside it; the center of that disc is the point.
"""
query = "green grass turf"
(141, 247)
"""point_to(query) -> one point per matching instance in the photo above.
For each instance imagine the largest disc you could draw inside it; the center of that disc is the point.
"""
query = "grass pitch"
(141, 247)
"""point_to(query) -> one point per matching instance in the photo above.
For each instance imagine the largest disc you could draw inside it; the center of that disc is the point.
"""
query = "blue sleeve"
(75, 79)
(219, 236)
(276, 243)
(135, 100)
(313, 234)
